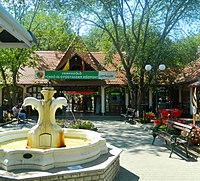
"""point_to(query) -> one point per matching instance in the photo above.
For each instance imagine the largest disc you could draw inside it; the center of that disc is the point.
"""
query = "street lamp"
(161, 67)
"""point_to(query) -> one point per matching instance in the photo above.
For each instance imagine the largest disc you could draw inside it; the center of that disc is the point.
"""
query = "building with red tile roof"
(108, 93)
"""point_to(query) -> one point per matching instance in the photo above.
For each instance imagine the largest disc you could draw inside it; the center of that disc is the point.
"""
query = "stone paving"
(140, 160)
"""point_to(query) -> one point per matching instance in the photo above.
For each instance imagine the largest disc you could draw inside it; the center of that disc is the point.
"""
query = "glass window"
(35, 91)
(114, 99)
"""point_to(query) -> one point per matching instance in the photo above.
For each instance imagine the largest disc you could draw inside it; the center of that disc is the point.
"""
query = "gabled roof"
(12, 34)
(88, 59)
(48, 60)
(112, 66)
(190, 73)
(78, 48)
(53, 60)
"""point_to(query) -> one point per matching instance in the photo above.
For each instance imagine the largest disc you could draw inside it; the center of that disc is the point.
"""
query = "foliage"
(149, 115)
(3, 120)
(12, 61)
(77, 124)
(160, 121)
(52, 31)
(139, 28)
(97, 40)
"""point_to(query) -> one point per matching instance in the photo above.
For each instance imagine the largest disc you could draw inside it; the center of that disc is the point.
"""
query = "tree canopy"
(51, 30)
(140, 28)
(140, 31)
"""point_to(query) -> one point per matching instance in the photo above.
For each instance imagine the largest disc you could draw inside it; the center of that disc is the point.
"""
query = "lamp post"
(161, 67)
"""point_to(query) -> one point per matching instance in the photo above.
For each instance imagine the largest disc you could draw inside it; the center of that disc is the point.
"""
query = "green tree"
(52, 33)
(186, 48)
(139, 28)
(11, 61)
(97, 40)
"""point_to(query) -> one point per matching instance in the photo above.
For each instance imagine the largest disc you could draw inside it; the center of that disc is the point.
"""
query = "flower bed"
(77, 124)
(148, 117)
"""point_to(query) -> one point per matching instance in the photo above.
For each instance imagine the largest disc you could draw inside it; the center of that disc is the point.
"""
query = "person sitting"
(15, 111)
(19, 113)
(5, 114)
(22, 113)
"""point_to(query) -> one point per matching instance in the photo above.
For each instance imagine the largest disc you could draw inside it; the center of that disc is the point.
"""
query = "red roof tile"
(51, 60)
(190, 73)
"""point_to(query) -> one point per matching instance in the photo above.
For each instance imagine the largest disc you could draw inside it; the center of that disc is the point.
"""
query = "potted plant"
(160, 123)
(195, 135)
(148, 117)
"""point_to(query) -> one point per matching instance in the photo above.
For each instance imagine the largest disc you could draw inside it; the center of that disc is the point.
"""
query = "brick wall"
(103, 174)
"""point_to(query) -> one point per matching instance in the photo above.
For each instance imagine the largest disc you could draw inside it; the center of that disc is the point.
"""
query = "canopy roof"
(12, 34)
(195, 84)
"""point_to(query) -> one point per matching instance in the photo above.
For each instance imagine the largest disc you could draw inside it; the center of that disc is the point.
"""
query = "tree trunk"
(6, 86)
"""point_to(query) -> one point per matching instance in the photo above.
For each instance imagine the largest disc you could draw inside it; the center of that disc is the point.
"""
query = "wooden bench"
(129, 115)
(175, 134)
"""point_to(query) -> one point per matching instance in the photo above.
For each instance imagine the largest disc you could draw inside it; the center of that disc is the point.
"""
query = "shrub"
(77, 124)
(3, 120)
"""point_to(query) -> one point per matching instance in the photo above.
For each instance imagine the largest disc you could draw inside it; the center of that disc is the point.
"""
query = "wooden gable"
(75, 62)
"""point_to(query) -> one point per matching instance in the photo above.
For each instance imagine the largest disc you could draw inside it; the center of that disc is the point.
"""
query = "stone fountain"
(46, 133)
(46, 148)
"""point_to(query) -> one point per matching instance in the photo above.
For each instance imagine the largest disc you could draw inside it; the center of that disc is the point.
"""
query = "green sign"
(74, 74)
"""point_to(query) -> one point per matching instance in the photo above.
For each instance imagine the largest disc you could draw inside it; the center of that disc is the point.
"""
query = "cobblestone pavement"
(139, 160)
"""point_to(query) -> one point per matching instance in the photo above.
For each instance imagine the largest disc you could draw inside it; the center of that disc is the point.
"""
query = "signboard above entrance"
(49, 74)
(79, 92)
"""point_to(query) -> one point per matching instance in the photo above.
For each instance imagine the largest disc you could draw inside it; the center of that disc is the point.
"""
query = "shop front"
(82, 77)
(97, 100)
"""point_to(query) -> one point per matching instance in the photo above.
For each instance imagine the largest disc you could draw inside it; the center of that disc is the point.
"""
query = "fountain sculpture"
(46, 133)
(46, 148)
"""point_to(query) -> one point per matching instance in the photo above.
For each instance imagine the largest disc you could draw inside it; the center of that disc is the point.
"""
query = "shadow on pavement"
(125, 175)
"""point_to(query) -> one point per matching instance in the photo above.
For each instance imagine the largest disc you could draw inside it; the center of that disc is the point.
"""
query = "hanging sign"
(80, 92)
(48, 74)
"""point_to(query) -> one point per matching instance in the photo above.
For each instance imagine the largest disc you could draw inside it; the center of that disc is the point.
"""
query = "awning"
(12, 34)
(195, 84)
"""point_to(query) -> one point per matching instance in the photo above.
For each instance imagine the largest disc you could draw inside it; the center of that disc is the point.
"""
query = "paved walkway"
(140, 160)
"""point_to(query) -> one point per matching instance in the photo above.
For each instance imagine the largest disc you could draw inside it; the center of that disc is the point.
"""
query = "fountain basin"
(39, 159)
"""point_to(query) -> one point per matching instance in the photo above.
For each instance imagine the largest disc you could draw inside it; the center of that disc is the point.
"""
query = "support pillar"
(179, 95)
(150, 98)
(24, 92)
(191, 97)
(126, 99)
(103, 100)
(1, 100)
